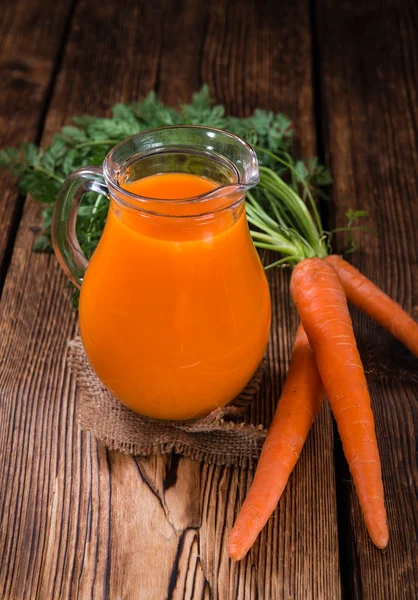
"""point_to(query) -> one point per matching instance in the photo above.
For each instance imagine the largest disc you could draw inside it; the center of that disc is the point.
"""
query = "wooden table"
(78, 521)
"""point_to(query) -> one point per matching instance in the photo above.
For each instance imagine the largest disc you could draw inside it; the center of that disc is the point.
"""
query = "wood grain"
(79, 522)
(183, 39)
(27, 57)
(56, 495)
(369, 60)
(249, 60)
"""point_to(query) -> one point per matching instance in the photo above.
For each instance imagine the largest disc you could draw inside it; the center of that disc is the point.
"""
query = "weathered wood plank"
(56, 495)
(369, 59)
(30, 39)
(79, 522)
(259, 55)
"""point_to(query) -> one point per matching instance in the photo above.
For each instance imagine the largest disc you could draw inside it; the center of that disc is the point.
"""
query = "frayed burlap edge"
(215, 439)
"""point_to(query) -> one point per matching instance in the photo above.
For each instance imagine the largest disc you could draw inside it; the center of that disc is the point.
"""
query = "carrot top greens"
(88, 140)
(281, 210)
(284, 217)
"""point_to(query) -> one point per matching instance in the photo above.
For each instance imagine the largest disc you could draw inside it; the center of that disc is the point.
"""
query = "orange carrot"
(296, 410)
(321, 302)
(374, 302)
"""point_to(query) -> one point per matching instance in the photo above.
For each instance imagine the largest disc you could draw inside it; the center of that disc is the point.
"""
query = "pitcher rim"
(239, 187)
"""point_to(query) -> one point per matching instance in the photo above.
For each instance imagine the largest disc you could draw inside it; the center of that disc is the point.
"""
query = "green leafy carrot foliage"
(88, 139)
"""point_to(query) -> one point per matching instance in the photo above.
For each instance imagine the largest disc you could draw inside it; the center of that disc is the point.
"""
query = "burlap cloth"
(217, 438)
(222, 437)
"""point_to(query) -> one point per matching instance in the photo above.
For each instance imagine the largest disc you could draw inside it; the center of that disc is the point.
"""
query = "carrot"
(374, 302)
(296, 410)
(321, 302)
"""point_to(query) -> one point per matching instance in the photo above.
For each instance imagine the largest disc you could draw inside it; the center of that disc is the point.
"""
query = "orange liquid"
(174, 312)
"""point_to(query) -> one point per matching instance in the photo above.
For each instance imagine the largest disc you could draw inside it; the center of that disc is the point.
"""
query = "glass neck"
(226, 160)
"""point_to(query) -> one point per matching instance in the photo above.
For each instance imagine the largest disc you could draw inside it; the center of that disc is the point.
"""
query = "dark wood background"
(80, 522)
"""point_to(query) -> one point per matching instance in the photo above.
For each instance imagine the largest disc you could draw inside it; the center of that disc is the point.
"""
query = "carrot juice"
(175, 308)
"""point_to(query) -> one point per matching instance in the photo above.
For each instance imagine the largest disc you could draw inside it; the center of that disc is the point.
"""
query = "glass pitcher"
(174, 307)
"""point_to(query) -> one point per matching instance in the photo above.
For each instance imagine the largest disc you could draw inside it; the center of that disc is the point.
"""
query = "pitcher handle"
(63, 228)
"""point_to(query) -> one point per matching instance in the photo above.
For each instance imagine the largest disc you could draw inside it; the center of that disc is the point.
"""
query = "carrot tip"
(235, 551)
(381, 541)
(379, 534)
